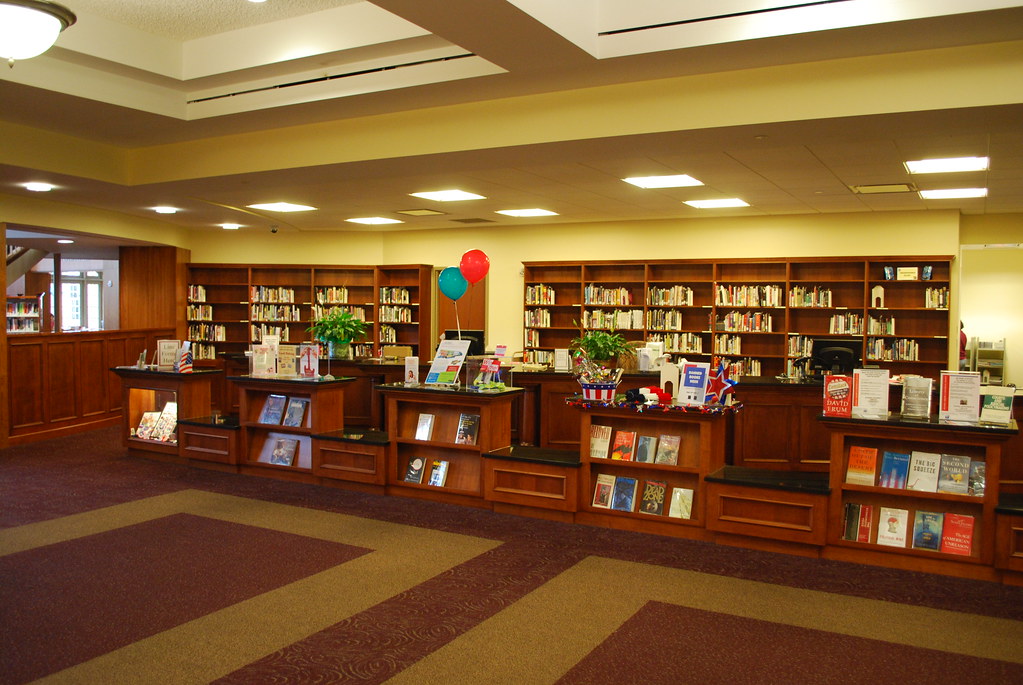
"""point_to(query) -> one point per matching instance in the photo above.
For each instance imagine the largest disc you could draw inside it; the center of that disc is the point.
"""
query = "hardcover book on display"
(600, 441)
(923, 471)
(624, 445)
(602, 491)
(652, 499)
(954, 474)
(978, 476)
(996, 404)
(424, 427)
(624, 496)
(273, 409)
(414, 472)
(838, 395)
(866, 522)
(667, 449)
(309, 360)
(957, 534)
(146, 425)
(284, 451)
(295, 415)
(468, 428)
(927, 530)
(892, 525)
(862, 465)
(916, 397)
(646, 446)
(166, 424)
(851, 521)
(287, 361)
(894, 470)
(438, 473)
(681, 506)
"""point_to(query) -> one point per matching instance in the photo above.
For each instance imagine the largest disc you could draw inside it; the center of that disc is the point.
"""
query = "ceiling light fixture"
(30, 27)
(675, 181)
(420, 212)
(166, 210)
(717, 204)
(526, 212)
(947, 165)
(452, 195)
(281, 207)
(230, 227)
(374, 220)
(36, 187)
(66, 241)
(953, 193)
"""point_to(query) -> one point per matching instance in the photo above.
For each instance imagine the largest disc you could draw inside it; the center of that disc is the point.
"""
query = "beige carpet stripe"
(542, 636)
(217, 644)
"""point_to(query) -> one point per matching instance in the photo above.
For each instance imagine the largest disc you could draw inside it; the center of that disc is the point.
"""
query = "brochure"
(447, 362)
(870, 394)
(959, 397)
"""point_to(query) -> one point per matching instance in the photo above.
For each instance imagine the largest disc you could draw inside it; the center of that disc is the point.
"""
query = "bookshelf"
(24, 313)
(989, 360)
(230, 307)
(758, 316)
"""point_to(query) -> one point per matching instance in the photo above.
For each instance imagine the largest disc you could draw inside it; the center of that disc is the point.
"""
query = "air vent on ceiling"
(730, 15)
(473, 221)
(879, 188)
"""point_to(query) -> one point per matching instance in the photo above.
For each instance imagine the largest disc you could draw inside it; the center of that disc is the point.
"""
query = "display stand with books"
(915, 494)
(438, 436)
(663, 493)
(154, 401)
(278, 419)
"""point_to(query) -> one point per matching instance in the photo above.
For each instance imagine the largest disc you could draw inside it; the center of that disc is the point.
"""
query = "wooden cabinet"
(353, 455)
(407, 407)
(941, 509)
(264, 433)
(758, 316)
(702, 448)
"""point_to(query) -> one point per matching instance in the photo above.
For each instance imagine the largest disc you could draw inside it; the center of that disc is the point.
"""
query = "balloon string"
(458, 325)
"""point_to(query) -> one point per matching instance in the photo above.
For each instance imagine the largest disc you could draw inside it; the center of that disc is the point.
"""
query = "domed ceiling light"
(30, 27)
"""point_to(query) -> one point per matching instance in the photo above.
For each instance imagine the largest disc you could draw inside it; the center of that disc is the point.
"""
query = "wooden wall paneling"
(153, 287)
(25, 359)
(92, 378)
(5, 404)
(115, 353)
(61, 380)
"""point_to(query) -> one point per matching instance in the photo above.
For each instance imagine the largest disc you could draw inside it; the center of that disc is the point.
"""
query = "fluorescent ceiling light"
(166, 210)
(230, 227)
(452, 195)
(676, 181)
(39, 187)
(281, 207)
(880, 188)
(953, 193)
(420, 212)
(66, 241)
(950, 164)
(374, 220)
(717, 204)
(526, 212)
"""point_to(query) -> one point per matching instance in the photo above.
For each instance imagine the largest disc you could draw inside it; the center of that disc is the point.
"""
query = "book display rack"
(914, 494)
(759, 316)
(24, 313)
(230, 307)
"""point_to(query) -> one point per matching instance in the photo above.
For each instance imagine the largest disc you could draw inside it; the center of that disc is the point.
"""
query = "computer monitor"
(475, 338)
(834, 356)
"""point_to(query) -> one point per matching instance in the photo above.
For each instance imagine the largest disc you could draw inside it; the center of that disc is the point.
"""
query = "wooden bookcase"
(24, 314)
(229, 306)
(976, 442)
(760, 316)
(702, 450)
(464, 482)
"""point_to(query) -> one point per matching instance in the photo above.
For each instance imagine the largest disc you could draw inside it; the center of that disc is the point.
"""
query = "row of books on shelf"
(937, 531)
(619, 493)
(159, 426)
(284, 452)
(953, 474)
(628, 446)
(281, 410)
(465, 433)
(417, 469)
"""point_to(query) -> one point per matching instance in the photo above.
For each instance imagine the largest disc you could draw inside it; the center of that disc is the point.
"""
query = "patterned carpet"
(122, 570)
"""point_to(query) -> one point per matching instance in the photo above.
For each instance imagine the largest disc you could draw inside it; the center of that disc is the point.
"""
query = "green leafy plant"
(339, 327)
(601, 346)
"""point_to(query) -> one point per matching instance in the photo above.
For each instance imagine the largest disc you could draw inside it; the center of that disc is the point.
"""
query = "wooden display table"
(532, 481)
(148, 390)
(406, 407)
(272, 444)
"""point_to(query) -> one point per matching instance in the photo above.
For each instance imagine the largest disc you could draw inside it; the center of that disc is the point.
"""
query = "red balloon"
(474, 265)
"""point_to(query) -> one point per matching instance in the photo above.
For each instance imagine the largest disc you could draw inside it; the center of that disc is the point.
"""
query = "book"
(624, 496)
(681, 506)
(624, 445)
(927, 530)
(415, 469)
(996, 404)
(273, 409)
(837, 395)
(602, 490)
(424, 427)
(287, 360)
(978, 473)
(923, 471)
(600, 441)
(166, 424)
(891, 526)
(851, 521)
(862, 465)
(894, 470)
(916, 396)
(866, 522)
(954, 474)
(652, 499)
(646, 447)
(295, 415)
(468, 428)
(957, 534)
(146, 424)
(667, 449)
(309, 360)
(284, 451)
(438, 473)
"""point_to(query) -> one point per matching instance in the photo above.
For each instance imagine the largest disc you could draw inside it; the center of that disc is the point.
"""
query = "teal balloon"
(452, 283)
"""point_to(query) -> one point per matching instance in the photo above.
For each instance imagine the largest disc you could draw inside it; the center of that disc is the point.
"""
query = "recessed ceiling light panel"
(674, 181)
(953, 193)
(163, 209)
(37, 187)
(420, 212)
(526, 212)
(717, 204)
(453, 195)
(880, 188)
(374, 220)
(230, 227)
(281, 207)
(66, 241)
(947, 165)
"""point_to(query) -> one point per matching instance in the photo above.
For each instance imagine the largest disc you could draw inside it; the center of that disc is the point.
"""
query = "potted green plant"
(338, 328)
(604, 347)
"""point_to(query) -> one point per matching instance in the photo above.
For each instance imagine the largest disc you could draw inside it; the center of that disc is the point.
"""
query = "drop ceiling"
(136, 75)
